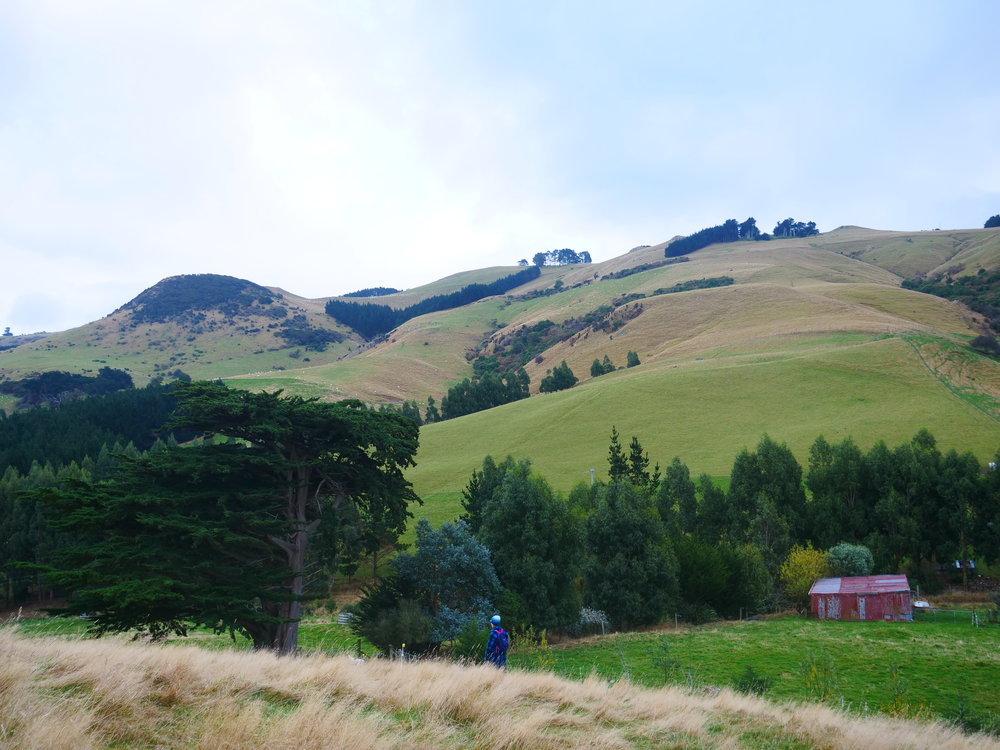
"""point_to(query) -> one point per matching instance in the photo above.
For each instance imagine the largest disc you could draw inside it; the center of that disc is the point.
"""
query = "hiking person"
(496, 646)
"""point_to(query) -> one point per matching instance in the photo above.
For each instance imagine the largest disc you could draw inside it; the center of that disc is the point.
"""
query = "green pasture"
(316, 633)
(940, 668)
(707, 411)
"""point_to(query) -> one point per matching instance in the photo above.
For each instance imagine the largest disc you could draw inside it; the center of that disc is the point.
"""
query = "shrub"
(850, 560)
(751, 683)
(802, 566)
(470, 644)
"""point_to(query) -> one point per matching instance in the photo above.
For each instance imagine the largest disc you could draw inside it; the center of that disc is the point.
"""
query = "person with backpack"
(496, 646)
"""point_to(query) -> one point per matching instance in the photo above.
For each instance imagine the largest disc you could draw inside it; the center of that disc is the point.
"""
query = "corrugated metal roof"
(860, 585)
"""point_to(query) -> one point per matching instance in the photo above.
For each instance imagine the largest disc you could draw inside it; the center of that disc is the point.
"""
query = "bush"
(470, 644)
(850, 560)
(558, 379)
(697, 614)
(406, 625)
(802, 566)
(751, 683)
(986, 344)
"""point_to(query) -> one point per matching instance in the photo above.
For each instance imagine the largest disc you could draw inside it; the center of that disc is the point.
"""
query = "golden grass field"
(75, 694)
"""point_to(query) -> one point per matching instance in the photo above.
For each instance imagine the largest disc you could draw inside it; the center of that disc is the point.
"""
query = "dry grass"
(82, 694)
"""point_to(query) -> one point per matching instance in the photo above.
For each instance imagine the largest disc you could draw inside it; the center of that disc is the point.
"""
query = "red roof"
(860, 585)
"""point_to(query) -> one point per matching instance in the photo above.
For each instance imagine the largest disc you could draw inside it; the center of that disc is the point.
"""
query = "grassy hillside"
(203, 325)
(910, 254)
(815, 336)
(447, 285)
(83, 694)
(784, 287)
(706, 410)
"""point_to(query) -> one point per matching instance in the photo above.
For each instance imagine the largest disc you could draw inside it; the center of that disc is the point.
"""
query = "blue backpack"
(502, 641)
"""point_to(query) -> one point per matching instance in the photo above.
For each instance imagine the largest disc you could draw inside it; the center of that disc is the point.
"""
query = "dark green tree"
(992, 222)
(748, 230)
(768, 475)
(631, 571)
(750, 582)
(617, 463)
(842, 493)
(431, 414)
(478, 493)
(559, 379)
(410, 410)
(218, 534)
(537, 547)
(632, 360)
(595, 369)
(676, 499)
(638, 467)
(714, 515)
(702, 574)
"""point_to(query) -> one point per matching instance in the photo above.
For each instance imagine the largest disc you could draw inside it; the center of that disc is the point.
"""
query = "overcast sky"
(329, 146)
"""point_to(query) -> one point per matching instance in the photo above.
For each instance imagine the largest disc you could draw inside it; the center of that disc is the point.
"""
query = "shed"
(868, 598)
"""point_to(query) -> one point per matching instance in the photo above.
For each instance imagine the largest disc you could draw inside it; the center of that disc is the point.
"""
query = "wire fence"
(974, 617)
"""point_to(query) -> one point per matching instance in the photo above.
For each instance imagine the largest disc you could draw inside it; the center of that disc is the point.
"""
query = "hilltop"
(807, 336)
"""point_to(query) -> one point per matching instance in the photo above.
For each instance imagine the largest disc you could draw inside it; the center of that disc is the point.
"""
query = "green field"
(707, 411)
(941, 667)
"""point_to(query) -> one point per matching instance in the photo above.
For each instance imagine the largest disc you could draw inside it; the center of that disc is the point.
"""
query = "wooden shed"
(868, 598)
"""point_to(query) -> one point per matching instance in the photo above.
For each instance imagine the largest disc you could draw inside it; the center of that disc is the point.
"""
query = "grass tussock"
(89, 694)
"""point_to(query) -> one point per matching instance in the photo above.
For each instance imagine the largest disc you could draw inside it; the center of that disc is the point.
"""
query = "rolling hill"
(813, 336)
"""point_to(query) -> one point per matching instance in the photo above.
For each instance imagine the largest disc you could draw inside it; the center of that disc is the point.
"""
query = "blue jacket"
(496, 649)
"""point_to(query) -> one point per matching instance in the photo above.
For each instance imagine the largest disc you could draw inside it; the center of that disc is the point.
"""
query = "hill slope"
(812, 336)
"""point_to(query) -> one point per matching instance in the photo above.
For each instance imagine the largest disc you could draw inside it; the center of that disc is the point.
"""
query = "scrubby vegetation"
(181, 295)
(297, 332)
(512, 349)
(980, 291)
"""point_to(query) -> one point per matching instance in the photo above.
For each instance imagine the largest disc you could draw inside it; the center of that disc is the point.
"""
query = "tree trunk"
(286, 636)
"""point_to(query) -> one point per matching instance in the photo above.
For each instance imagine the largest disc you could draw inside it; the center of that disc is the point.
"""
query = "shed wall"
(864, 607)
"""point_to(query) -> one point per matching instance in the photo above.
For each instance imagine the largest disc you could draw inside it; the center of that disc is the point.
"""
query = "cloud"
(324, 147)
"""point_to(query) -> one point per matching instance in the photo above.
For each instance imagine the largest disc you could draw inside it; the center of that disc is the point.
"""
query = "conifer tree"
(218, 534)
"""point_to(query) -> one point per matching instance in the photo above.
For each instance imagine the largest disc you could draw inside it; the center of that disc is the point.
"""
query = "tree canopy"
(559, 378)
(562, 257)
(537, 546)
(219, 534)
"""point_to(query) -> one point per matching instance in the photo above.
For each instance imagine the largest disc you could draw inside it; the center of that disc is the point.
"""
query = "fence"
(975, 617)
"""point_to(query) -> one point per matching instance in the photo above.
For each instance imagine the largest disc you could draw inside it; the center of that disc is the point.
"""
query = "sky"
(328, 146)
